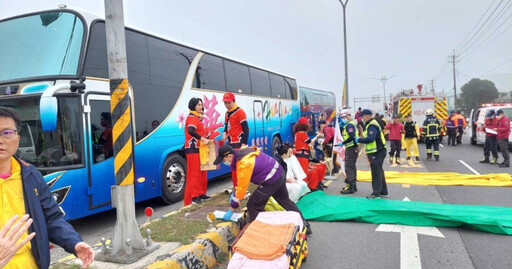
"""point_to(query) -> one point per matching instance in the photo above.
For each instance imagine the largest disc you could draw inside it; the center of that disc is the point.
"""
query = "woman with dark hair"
(315, 173)
(295, 176)
(195, 134)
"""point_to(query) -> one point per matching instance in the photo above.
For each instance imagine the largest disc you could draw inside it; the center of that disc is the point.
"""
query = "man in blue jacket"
(27, 193)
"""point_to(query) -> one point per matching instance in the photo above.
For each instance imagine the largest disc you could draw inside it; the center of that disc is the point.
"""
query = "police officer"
(375, 146)
(349, 133)
(431, 128)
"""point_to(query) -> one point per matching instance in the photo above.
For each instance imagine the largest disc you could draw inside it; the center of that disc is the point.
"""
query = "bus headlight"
(60, 194)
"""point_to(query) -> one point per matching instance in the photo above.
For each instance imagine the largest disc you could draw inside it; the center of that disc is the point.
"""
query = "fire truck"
(417, 103)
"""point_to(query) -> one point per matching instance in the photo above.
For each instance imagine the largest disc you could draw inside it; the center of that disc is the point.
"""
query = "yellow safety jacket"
(372, 146)
(346, 136)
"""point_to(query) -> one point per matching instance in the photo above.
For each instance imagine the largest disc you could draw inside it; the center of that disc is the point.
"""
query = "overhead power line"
(474, 27)
(465, 46)
(483, 42)
(496, 67)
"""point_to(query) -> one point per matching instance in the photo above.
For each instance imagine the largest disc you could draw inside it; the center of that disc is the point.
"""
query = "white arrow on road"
(409, 246)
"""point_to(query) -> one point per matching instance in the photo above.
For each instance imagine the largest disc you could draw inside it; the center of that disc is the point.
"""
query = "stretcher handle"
(293, 239)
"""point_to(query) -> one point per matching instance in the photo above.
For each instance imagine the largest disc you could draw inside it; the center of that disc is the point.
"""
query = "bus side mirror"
(48, 108)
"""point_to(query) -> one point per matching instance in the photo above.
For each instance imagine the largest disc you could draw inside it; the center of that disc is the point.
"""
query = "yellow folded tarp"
(441, 178)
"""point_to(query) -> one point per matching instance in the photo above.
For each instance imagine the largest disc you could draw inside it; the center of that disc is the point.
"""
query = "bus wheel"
(173, 179)
(276, 142)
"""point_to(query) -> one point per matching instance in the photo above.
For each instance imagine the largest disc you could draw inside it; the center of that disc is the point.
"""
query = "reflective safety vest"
(372, 147)
(345, 133)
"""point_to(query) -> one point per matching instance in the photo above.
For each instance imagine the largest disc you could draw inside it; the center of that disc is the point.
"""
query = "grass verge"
(175, 228)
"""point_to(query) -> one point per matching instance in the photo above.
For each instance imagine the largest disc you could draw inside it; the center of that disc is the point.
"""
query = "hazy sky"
(303, 38)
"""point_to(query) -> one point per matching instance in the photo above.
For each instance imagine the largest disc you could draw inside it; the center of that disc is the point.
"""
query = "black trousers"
(351, 155)
(491, 145)
(460, 130)
(379, 185)
(429, 142)
(452, 134)
(504, 150)
(396, 147)
(277, 189)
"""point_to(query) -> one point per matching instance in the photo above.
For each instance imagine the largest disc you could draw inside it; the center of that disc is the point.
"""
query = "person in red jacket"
(395, 129)
(315, 173)
(503, 134)
(195, 133)
(491, 139)
(236, 129)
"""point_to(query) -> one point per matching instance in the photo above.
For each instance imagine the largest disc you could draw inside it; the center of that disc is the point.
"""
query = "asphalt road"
(359, 245)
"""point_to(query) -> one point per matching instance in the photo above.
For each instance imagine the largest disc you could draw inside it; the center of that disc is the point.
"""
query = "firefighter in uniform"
(431, 128)
(375, 146)
(236, 129)
(349, 133)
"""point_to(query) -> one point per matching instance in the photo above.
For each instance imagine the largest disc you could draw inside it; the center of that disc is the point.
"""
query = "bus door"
(259, 123)
(100, 161)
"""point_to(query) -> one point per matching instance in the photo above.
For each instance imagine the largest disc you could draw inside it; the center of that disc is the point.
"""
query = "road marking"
(409, 246)
(469, 167)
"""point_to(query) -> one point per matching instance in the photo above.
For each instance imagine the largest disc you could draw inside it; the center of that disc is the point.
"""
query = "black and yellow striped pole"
(127, 245)
(122, 131)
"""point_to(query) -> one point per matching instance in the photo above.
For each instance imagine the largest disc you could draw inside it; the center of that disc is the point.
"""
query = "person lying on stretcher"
(253, 166)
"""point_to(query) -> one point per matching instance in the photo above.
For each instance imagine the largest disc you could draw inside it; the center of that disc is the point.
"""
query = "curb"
(202, 253)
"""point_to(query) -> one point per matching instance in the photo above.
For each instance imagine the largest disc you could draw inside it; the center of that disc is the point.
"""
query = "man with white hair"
(349, 133)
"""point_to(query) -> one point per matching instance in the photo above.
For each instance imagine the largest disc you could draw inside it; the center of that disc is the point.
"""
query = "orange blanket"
(262, 241)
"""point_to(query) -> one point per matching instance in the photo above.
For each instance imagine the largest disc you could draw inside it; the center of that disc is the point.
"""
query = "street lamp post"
(383, 79)
(344, 5)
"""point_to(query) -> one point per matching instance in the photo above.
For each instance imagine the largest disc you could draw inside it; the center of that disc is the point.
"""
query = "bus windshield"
(46, 44)
(48, 149)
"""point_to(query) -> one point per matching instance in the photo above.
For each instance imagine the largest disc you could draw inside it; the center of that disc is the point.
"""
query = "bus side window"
(210, 74)
(101, 130)
(237, 77)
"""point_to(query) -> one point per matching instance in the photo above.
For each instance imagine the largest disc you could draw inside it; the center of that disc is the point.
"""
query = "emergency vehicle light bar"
(496, 104)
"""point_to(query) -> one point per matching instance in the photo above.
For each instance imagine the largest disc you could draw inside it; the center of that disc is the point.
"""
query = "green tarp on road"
(323, 207)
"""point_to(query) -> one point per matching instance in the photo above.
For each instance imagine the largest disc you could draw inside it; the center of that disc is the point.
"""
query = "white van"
(478, 118)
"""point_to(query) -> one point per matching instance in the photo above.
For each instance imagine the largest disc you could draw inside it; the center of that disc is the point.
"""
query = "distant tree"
(476, 92)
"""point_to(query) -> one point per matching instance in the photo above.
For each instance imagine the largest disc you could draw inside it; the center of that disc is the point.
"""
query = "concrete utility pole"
(344, 5)
(453, 61)
(127, 245)
(432, 88)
